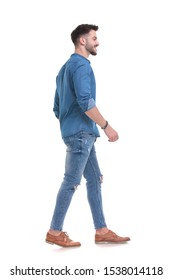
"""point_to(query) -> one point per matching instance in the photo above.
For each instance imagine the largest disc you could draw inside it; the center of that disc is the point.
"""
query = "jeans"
(80, 161)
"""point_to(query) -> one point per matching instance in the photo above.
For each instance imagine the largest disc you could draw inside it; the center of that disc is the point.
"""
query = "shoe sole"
(111, 242)
(66, 246)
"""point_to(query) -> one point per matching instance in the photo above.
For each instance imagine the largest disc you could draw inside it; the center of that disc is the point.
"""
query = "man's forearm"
(96, 116)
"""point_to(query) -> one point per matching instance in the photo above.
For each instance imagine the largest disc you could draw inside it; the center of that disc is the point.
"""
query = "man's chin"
(93, 53)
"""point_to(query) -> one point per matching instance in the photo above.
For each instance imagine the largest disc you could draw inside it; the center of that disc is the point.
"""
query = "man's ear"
(82, 41)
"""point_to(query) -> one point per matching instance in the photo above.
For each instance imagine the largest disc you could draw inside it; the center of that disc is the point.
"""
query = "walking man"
(79, 117)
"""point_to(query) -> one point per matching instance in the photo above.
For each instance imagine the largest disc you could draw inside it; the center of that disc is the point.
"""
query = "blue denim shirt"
(75, 94)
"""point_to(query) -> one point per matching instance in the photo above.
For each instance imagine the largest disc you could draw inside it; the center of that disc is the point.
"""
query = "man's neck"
(82, 52)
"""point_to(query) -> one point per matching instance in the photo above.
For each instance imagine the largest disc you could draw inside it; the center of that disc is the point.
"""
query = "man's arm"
(96, 116)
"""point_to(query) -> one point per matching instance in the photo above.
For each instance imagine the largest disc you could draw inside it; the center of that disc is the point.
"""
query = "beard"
(93, 53)
(91, 49)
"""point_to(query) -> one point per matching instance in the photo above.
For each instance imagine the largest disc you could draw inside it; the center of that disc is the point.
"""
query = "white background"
(134, 71)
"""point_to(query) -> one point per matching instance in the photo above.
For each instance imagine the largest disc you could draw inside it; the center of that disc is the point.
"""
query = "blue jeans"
(80, 160)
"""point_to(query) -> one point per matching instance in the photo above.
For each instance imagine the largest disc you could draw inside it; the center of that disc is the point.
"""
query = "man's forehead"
(92, 33)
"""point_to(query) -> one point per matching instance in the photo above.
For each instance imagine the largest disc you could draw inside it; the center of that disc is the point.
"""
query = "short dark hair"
(81, 30)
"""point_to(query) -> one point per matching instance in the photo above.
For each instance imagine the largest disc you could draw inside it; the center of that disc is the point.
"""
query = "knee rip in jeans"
(101, 179)
(75, 187)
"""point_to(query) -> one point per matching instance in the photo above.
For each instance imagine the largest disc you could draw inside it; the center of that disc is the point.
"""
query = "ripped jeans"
(80, 161)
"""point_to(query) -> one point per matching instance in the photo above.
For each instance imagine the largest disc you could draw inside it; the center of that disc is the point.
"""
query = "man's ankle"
(102, 230)
(54, 232)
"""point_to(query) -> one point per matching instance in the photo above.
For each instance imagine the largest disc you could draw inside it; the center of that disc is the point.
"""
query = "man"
(75, 107)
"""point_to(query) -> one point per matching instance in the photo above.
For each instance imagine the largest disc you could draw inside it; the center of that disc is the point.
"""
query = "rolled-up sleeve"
(84, 85)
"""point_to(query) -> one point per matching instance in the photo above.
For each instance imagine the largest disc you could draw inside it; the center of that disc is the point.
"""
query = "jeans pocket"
(73, 143)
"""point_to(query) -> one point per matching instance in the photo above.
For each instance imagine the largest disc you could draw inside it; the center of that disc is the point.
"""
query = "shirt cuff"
(91, 104)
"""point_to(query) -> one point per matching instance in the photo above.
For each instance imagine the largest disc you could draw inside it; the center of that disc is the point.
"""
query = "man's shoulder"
(79, 62)
(74, 63)
(78, 59)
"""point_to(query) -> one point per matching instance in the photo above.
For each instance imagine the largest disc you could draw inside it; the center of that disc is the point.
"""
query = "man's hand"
(111, 133)
(96, 116)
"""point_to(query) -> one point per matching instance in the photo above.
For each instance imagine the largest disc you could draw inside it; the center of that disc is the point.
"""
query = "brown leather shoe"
(62, 240)
(109, 237)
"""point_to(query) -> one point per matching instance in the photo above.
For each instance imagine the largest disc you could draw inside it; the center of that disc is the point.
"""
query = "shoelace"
(66, 236)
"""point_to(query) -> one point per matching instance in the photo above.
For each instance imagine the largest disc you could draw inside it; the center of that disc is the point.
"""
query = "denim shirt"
(75, 94)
